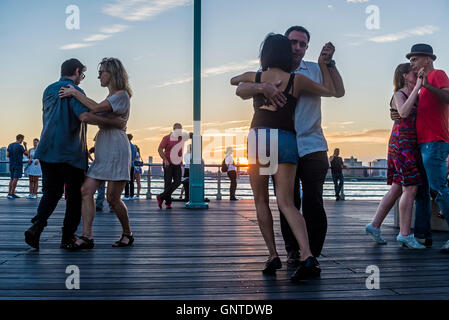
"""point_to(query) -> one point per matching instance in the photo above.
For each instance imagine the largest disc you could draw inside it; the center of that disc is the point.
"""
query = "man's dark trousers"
(172, 180)
(54, 177)
(129, 186)
(311, 170)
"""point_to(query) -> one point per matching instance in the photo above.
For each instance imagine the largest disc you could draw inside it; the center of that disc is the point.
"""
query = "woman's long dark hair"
(276, 52)
(398, 80)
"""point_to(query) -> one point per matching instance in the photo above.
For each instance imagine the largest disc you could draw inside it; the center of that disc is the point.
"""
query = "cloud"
(97, 37)
(418, 31)
(138, 10)
(356, 1)
(116, 28)
(75, 46)
(214, 71)
(377, 136)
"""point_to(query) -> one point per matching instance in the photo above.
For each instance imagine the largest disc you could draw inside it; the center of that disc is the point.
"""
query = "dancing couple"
(62, 152)
(286, 97)
(417, 150)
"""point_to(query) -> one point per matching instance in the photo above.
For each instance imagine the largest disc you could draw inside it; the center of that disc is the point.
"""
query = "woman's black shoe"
(310, 268)
(272, 265)
(120, 243)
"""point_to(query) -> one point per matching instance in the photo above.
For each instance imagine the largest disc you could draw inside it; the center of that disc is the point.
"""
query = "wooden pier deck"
(211, 254)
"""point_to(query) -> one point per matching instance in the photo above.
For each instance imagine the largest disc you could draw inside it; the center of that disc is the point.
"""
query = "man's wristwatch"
(331, 64)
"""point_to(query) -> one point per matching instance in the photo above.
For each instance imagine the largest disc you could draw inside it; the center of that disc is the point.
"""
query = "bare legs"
(139, 186)
(259, 184)
(405, 206)
(386, 204)
(113, 195)
(284, 177)
(34, 184)
(115, 189)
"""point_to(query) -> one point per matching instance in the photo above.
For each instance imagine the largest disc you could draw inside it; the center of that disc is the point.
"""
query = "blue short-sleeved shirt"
(63, 137)
(16, 152)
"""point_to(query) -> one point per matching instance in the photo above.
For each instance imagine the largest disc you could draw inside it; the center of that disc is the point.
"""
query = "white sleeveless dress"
(33, 169)
(112, 151)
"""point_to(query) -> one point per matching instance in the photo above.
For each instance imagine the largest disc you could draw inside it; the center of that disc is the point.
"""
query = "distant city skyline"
(154, 40)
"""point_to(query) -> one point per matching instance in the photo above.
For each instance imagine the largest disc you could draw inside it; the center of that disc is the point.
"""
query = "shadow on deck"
(212, 254)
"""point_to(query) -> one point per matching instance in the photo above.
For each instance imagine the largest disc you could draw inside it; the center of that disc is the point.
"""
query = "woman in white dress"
(33, 170)
(112, 151)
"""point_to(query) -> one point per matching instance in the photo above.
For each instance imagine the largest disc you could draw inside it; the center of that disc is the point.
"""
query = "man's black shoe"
(32, 236)
(234, 199)
(272, 265)
(68, 241)
(310, 268)
(98, 209)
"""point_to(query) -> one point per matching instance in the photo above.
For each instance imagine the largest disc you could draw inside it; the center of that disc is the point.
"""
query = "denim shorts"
(283, 142)
(16, 172)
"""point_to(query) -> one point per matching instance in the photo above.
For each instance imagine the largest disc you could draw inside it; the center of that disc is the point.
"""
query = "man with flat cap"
(433, 134)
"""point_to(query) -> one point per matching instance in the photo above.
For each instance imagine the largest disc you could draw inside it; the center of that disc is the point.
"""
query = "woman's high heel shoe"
(272, 265)
(409, 242)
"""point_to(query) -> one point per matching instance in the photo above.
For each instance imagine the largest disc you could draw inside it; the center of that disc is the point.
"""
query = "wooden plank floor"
(211, 254)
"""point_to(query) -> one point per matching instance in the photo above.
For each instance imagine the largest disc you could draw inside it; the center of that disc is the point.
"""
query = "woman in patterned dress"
(403, 158)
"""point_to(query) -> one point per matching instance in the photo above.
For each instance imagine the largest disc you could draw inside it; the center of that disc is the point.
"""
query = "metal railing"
(217, 183)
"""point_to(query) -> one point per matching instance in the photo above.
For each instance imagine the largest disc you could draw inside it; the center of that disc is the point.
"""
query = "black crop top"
(282, 118)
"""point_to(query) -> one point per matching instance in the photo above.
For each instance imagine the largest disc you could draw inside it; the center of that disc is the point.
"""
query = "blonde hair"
(398, 80)
(119, 76)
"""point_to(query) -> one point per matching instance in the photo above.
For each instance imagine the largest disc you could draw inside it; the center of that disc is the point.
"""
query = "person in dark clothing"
(15, 153)
(172, 163)
(337, 167)
(129, 187)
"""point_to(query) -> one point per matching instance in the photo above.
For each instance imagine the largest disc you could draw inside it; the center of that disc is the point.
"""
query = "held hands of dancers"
(423, 77)
(326, 53)
(70, 91)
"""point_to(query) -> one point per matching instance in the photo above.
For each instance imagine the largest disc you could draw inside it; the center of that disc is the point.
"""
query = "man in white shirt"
(312, 146)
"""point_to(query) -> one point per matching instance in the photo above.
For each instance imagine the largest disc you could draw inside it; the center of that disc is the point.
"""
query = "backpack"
(224, 166)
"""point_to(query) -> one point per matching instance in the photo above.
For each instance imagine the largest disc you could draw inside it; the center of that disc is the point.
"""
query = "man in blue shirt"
(15, 154)
(62, 152)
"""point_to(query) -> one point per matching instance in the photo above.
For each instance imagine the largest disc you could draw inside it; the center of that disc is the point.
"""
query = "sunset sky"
(154, 40)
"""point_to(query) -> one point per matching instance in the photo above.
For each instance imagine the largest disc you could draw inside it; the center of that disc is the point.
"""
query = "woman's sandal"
(86, 244)
(123, 244)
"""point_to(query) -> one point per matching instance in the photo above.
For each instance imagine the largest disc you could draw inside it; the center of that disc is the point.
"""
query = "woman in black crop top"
(272, 129)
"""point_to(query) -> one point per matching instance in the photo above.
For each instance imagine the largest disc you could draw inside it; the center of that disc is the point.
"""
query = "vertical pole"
(196, 179)
(219, 184)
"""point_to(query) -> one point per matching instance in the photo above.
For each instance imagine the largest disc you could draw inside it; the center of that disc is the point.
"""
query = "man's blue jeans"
(434, 155)
(100, 195)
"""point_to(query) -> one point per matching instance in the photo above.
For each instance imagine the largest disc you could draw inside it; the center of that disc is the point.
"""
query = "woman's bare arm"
(304, 84)
(92, 105)
(244, 77)
(405, 105)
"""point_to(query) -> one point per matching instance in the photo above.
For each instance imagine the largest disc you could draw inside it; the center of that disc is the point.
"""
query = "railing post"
(150, 161)
(219, 184)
